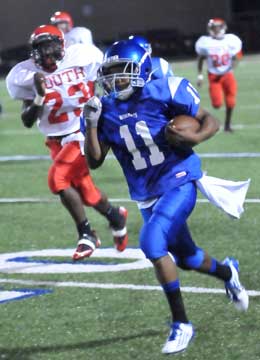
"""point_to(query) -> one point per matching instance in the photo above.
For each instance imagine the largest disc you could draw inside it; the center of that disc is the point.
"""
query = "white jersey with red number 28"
(219, 52)
(66, 88)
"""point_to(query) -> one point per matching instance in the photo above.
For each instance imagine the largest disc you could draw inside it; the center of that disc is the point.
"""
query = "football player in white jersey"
(63, 21)
(72, 35)
(221, 51)
(52, 85)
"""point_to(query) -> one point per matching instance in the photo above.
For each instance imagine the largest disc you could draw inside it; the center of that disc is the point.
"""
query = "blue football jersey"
(160, 68)
(135, 131)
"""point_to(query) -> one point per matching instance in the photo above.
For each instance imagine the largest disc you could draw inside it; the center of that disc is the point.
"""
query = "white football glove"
(91, 111)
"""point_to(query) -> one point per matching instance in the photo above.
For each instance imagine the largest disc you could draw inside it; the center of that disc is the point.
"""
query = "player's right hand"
(92, 111)
(39, 83)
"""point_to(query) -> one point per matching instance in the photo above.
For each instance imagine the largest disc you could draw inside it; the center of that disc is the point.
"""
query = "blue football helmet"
(126, 66)
(142, 41)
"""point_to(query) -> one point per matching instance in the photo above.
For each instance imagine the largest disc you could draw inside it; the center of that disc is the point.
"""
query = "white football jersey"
(66, 88)
(78, 35)
(219, 52)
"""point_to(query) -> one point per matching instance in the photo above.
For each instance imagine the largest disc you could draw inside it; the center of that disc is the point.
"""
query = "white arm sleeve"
(19, 82)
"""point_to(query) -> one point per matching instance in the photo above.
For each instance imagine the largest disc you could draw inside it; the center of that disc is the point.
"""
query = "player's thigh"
(64, 167)
(168, 215)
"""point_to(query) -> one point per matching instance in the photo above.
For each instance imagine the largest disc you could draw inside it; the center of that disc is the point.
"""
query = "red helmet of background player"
(47, 43)
(62, 20)
(217, 28)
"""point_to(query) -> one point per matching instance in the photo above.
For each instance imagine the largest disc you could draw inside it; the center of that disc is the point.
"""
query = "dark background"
(172, 26)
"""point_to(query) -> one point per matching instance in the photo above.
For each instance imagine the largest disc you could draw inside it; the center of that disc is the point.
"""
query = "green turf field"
(122, 315)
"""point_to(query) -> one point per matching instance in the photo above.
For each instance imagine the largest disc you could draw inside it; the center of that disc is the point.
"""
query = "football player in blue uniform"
(131, 120)
(160, 67)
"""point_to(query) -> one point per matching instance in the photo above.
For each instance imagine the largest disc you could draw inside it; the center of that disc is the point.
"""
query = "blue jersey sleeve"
(160, 68)
(185, 99)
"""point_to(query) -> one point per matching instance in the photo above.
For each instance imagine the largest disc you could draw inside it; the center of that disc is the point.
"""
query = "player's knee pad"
(194, 261)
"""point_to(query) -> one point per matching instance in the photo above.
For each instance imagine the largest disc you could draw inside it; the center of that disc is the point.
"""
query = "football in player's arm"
(131, 119)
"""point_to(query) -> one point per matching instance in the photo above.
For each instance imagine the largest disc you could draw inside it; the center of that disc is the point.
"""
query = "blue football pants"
(165, 227)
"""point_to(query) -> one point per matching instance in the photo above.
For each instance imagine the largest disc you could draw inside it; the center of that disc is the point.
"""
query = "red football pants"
(222, 86)
(70, 168)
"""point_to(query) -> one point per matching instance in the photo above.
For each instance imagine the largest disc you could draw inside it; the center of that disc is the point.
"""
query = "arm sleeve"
(19, 83)
(95, 60)
(166, 67)
(200, 46)
(184, 97)
(235, 44)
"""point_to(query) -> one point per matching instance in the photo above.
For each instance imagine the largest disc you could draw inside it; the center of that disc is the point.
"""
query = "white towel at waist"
(227, 195)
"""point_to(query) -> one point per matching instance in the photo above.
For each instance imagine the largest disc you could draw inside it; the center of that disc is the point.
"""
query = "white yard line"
(188, 289)
(116, 200)
(33, 132)
(110, 156)
(24, 158)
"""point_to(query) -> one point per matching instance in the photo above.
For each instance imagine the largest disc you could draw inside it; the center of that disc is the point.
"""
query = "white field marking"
(11, 295)
(110, 156)
(18, 132)
(230, 155)
(21, 262)
(25, 132)
(249, 106)
(111, 286)
(117, 200)
(6, 296)
(24, 158)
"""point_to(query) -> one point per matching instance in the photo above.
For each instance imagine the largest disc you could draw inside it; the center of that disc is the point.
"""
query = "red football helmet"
(62, 20)
(217, 28)
(47, 43)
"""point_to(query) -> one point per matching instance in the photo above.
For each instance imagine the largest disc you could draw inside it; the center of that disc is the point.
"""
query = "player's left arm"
(187, 102)
(236, 58)
(209, 125)
(235, 48)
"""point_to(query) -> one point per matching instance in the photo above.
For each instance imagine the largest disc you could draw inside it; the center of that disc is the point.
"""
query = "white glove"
(91, 111)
